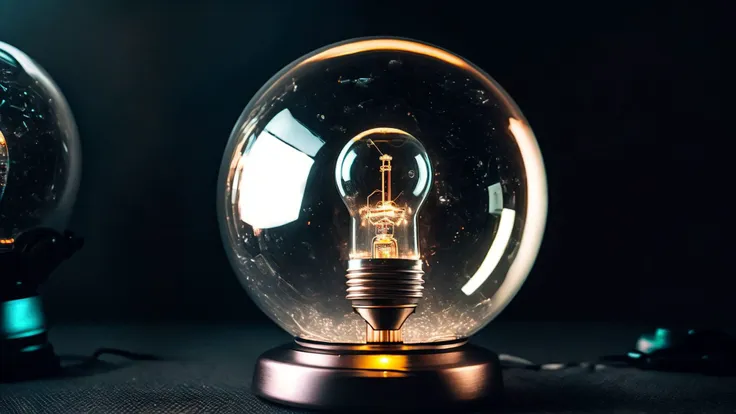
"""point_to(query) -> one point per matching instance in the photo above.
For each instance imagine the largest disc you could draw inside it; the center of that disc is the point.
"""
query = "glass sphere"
(39, 148)
(448, 154)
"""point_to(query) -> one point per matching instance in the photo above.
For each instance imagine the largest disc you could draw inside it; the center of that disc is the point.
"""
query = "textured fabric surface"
(208, 370)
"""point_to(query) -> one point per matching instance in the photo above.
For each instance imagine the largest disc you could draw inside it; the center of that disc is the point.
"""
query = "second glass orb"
(40, 156)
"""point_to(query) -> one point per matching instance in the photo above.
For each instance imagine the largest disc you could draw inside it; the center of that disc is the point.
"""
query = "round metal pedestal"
(373, 377)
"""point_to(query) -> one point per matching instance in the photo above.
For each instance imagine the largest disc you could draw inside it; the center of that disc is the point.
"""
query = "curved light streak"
(495, 253)
(535, 217)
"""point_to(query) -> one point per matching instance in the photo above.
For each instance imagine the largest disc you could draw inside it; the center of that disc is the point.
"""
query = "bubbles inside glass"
(285, 213)
(39, 148)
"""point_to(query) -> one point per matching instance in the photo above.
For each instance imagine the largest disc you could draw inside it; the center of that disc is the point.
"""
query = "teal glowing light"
(31, 348)
(661, 339)
(22, 318)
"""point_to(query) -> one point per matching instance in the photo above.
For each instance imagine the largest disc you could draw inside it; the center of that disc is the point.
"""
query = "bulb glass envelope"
(479, 216)
(383, 175)
(39, 149)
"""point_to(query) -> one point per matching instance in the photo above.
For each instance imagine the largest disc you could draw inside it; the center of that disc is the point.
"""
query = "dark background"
(628, 102)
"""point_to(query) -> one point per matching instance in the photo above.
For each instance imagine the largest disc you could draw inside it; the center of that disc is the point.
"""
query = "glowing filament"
(380, 227)
(383, 215)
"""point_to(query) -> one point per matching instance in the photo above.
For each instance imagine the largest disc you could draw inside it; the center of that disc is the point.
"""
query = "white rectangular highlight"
(286, 128)
(272, 183)
(495, 199)
(495, 253)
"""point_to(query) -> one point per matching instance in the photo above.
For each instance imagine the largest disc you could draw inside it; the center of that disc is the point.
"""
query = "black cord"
(609, 361)
(124, 354)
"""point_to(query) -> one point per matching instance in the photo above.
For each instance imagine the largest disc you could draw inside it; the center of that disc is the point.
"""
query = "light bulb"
(381, 200)
(383, 176)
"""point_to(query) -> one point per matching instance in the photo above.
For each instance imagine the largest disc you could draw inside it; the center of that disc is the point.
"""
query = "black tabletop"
(208, 369)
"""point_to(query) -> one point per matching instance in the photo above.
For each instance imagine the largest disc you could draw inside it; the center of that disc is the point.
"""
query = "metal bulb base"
(384, 292)
(379, 377)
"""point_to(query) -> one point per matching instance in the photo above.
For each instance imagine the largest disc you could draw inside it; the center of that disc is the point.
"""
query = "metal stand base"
(25, 351)
(379, 377)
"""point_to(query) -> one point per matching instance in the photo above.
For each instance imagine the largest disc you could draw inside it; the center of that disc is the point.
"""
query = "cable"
(515, 362)
(124, 354)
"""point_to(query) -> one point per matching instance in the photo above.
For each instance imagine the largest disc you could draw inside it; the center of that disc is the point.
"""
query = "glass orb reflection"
(39, 148)
(467, 184)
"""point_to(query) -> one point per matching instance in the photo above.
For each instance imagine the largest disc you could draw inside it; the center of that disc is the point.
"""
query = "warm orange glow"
(383, 362)
(379, 131)
(388, 44)
(2, 139)
(7, 241)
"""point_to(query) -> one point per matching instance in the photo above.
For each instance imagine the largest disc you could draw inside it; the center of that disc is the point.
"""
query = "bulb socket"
(384, 292)
(373, 336)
